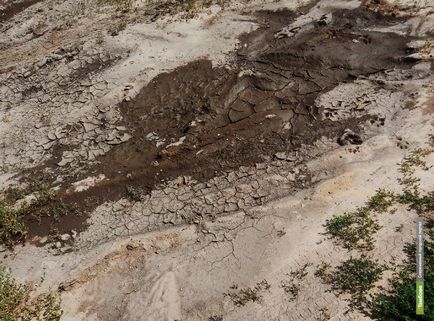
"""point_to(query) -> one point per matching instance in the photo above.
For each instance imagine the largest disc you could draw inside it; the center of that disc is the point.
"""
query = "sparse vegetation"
(15, 303)
(399, 302)
(354, 230)
(243, 296)
(423, 204)
(292, 289)
(324, 314)
(420, 203)
(322, 270)
(292, 286)
(133, 193)
(12, 227)
(355, 276)
(381, 201)
(407, 168)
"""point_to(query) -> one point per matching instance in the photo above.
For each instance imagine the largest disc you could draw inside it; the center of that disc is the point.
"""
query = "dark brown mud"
(12, 8)
(228, 118)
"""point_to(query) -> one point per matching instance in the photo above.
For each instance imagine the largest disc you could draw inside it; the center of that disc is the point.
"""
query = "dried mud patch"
(200, 121)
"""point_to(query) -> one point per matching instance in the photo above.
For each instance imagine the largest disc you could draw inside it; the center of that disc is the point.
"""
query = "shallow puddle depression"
(200, 120)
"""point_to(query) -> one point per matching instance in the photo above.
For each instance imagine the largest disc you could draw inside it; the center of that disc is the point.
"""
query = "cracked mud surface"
(263, 104)
(192, 156)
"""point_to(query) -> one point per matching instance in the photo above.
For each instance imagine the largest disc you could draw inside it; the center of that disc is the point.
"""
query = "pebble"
(65, 237)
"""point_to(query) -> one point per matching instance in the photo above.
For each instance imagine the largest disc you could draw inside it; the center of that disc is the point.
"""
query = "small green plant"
(241, 297)
(300, 273)
(218, 317)
(355, 276)
(398, 303)
(407, 167)
(322, 270)
(11, 295)
(292, 286)
(324, 314)
(355, 230)
(292, 289)
(422, 204)
(12, 228)
(381, 201)
(133, 193)
(15, 303)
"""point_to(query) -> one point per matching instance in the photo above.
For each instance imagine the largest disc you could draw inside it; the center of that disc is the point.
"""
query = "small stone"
(64, 161)
(43, 240)
(65, 237)
(125, 137)
(413, 57)
(51, 136)
(349, 137)
(41, 63)
(280, 155)
(89, 126)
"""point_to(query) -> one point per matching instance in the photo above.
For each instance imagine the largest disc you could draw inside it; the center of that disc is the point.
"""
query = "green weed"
(355, 276)
(292, 285)
(408, 165)
(15, 303)
(355, 230)
(241, 297)
(12, 228)
(398, 303)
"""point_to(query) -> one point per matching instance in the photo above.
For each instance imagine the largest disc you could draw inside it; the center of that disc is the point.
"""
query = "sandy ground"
(174, 253)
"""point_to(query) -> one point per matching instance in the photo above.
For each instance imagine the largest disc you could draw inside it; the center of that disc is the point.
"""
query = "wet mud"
(201, 121)
(13, 8)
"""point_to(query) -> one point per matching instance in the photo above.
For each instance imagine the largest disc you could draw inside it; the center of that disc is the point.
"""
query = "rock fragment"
(349, 137)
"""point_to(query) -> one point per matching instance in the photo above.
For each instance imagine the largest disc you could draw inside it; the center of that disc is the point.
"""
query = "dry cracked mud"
(172, 151)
